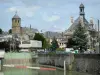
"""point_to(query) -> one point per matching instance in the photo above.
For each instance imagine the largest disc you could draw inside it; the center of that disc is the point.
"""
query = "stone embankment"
(88, 63)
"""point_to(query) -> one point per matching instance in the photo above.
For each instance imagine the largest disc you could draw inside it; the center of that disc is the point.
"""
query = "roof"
(50, 34)
(16, 16)
(81, 5)
(76, 22)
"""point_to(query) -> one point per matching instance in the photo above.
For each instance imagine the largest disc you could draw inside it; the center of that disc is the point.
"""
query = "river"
(16, 71)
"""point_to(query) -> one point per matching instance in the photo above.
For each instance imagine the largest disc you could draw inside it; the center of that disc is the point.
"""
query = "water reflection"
(15, 71)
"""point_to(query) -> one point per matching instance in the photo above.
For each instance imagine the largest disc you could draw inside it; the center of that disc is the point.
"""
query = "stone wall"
(89, 63)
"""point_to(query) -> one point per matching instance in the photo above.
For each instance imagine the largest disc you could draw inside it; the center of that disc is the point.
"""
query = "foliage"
(70, 43)
(60, 49)
(80, 38)
(40, 37)
(10, 31)
(9, 46)
(54, 44)
(1, 31)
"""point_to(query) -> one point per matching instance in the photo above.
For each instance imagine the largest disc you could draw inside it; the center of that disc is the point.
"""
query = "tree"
(40, 37)
(10, 31)
(1, 31)
(80, 38)
(54, 44)
(70, 43)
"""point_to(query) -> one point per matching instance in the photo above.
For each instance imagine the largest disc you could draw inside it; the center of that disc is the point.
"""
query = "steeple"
(81, 7)
(16, 16)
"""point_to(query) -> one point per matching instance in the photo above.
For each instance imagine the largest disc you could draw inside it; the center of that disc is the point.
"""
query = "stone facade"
(16, 24)
(84, 63)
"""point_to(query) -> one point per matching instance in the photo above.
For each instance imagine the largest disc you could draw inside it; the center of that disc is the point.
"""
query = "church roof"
(76, 22)
(81, 5)
(16, 16)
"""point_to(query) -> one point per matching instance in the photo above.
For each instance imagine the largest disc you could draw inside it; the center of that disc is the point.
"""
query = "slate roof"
(50, 34)
(16, 16)
(81, 5)
(75, 24)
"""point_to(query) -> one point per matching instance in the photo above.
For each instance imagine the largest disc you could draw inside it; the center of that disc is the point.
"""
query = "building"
(25, 33)
(90, 30)
(16, 24)
(59, 37)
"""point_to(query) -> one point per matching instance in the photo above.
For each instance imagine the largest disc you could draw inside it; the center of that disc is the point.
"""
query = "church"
(90, 27)
(26, 33)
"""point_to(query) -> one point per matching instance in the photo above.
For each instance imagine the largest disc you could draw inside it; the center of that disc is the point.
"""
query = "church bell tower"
(82, 13)
(16, 24)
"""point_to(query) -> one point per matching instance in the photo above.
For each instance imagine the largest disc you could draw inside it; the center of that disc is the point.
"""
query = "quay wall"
(87, 63)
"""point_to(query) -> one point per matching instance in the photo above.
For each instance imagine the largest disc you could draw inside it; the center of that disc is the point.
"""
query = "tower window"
(18, 21)
(15, 20)
(81, 10)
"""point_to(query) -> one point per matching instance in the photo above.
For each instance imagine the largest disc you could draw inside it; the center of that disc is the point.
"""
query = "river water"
(15, 71)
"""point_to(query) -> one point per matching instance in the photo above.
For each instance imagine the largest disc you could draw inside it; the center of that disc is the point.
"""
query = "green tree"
(10, 31)
(1, 31)
(80, 38)
(40, 37)
(70, 43)
(54, 44)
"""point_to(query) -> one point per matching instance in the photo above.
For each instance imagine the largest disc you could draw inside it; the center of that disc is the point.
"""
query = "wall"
(89, 63)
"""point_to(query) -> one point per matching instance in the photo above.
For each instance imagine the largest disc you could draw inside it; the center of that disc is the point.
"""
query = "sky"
(46, 15)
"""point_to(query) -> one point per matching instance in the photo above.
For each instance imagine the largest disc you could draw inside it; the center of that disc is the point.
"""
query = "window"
(81, 10)
(18, 21)
(15, 20)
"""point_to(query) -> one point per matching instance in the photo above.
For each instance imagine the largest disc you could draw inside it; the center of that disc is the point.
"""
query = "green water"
(14, 71)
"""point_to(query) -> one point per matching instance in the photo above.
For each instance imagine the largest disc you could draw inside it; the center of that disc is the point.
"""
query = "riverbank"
(85, 63)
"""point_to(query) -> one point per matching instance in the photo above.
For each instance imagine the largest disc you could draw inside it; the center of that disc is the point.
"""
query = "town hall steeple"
(81, 7)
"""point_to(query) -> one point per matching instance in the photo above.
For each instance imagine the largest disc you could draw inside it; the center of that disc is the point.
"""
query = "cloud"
(24, 11)
(56, 28)
(51, 18)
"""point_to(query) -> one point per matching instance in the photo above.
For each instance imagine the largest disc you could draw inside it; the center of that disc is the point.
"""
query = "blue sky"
(46, 15)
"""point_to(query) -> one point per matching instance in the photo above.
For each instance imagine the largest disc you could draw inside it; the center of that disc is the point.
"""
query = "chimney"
(30, 26)
(91, 20)
(95, 27)
(72, 20)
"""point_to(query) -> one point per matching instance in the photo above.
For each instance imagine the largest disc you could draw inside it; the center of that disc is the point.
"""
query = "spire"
(16, 16)
(81, 7)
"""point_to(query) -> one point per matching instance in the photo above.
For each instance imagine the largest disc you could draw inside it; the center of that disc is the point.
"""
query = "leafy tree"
(1, 31)
(80, 38)
(40, 37)
(10, 31)
(54, 44)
